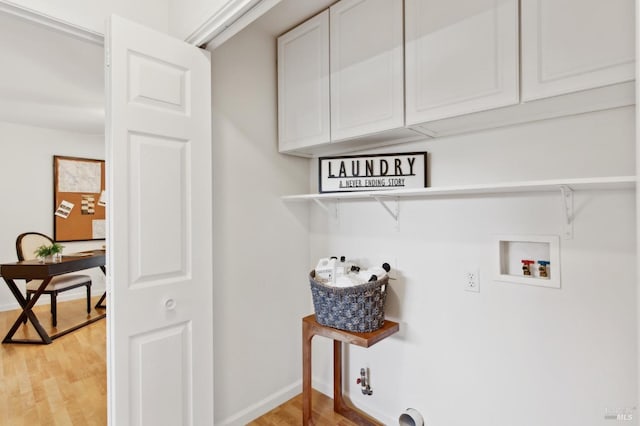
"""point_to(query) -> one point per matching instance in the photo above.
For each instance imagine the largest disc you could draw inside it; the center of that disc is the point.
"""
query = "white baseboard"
(327, 389)
(322, 386)
(261, 407)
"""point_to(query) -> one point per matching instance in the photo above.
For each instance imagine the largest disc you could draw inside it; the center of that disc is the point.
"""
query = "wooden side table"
(310, 328)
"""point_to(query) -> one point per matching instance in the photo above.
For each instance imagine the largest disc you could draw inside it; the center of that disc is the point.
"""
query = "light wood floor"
(60, 384)
(290, 413)
(64, 383)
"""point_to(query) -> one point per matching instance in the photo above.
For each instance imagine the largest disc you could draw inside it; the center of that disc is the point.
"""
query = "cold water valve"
(543, 268)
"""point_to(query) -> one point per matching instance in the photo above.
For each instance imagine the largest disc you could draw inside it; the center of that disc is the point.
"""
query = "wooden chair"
(26, 245)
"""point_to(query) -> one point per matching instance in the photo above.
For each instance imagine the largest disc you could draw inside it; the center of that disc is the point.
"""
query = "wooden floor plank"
(290, 413)
(61, 384)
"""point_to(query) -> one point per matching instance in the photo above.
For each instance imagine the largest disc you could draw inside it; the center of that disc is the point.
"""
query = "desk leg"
(100, 303)
(307, 335)
(27, 313)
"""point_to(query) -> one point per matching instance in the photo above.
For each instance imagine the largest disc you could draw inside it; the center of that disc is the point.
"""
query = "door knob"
(170, 304)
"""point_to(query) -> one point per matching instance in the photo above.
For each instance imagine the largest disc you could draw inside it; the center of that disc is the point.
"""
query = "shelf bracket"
(395, 213)
(326, 208)
(567, 208)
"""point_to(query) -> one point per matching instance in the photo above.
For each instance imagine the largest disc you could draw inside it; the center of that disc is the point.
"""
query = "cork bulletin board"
(79, 199)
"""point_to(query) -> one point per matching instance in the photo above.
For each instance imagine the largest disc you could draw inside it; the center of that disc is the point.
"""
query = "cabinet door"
(572, 45)
(367, 88)
(462, 57)
(303, 84)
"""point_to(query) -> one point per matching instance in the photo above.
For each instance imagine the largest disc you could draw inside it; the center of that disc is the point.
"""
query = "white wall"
(91, 14)
(26, 185)
(512, 354)
(261, 245)
(637, 136)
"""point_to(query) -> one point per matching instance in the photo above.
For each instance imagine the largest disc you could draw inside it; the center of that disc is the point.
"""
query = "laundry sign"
(373, 172)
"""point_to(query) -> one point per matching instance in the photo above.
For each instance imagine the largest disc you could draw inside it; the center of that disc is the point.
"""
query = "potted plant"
(51, 253)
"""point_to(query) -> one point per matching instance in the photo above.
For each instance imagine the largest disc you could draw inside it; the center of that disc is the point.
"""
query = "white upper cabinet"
(461, 57)
(367, 85)
(303, 84)
(355, 76)
(573, 45)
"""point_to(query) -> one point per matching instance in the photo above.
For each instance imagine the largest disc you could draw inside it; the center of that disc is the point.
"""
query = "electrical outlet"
(472, 281)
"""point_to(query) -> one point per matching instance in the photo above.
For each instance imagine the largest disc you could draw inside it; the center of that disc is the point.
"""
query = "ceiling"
(49, 78)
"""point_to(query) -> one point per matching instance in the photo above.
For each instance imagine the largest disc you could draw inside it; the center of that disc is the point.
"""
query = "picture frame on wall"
(375, 172)
(79, 212)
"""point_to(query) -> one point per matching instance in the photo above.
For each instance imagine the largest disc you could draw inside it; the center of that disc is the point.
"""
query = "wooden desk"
(33, 269)
(310, 328)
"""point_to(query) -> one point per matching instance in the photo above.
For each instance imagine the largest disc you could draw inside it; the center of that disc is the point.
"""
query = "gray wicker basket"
(359, 308)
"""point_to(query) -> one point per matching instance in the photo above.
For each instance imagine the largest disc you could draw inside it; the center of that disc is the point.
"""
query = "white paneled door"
(160, 353)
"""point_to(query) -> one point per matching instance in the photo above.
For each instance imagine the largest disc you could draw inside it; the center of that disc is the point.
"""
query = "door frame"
(51, 22)
(84, 34)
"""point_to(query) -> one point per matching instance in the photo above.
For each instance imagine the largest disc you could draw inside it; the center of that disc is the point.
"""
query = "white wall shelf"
(613, 182)
(565, 187)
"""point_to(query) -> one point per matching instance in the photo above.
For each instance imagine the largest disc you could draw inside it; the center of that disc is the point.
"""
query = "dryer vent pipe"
(411, 417)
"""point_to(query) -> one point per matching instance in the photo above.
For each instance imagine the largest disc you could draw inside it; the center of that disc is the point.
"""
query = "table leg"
(339, 404)
(27, 312)
(307, 335)
(100, 303)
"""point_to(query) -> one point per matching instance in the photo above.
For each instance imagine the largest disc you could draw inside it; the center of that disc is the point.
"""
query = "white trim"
(228, 21)
(261, 407)
(637, 145)
(51, 22)
(372, 410)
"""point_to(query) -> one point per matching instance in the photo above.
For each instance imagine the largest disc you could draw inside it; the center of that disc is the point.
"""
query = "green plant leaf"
(44, 250)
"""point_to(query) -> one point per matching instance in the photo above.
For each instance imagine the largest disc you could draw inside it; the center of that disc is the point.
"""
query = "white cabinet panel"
(572, 45)
(303, 84)
(367, 88)
(461, 57)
